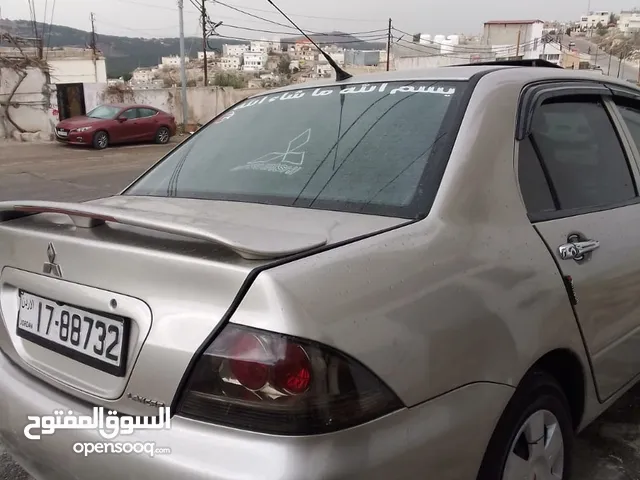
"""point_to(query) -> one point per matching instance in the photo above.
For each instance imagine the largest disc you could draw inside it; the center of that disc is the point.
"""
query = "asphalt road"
(610, 65)
(608, 450)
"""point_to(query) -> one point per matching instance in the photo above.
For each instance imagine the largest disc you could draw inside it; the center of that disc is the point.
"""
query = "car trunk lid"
(165, 271)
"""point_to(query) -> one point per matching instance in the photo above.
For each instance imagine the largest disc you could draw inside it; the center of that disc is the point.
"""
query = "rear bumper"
(443, 438)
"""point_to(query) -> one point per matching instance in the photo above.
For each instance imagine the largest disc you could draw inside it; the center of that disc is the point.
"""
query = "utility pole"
(518, 45)
(94, 46)
(183, 73)
(204, 41)
(93, 35)
(389, 46)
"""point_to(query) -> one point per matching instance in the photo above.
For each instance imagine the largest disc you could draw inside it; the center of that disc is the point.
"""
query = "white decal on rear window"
(287, 162)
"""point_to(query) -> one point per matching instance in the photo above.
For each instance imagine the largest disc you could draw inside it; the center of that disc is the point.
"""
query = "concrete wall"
(77, 70)
(203, 102)
(30, 106)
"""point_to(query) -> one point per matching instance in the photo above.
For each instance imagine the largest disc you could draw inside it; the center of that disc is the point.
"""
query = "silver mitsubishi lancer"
(424, 274)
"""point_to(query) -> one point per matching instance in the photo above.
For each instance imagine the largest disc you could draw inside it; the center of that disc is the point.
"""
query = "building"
(260, 46)
(629, 21)
(324, 69)
(514, 39)
(231, 63)
(254, 61)
(234, 50)
(591, 20)
(210, 55)
(362, 58)
(172, 61)
(575, 60)
(142, 75)
(552, 52)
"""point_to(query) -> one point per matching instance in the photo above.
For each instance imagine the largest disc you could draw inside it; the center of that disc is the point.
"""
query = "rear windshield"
(365, 148)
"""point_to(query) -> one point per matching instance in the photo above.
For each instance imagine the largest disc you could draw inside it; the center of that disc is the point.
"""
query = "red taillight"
(250, 373)
(292, 374)
(272, 383)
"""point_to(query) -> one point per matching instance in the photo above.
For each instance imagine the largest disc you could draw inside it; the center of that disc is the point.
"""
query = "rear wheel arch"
(565, 367)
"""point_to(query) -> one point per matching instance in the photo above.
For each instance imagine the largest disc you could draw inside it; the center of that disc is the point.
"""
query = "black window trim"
(534, 97)
(629, 141)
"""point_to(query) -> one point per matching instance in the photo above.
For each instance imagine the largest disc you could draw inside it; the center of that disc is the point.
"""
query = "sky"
(159, 18)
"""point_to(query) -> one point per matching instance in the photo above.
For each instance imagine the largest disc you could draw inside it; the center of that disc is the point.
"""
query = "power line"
(310, 16)
(255, 16)
(293, 43)
(367, 33)
(468, 49)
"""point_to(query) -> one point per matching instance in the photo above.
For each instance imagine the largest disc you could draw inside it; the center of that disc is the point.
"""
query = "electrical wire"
(310, 16)
(502, 49)
(294, 43)
(255, 16)
(53, 9)
(318, 34)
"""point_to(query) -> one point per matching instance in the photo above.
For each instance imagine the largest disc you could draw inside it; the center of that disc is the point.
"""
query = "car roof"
(463, 72)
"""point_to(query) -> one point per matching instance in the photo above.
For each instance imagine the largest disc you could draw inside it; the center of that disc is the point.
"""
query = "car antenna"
(341, 75)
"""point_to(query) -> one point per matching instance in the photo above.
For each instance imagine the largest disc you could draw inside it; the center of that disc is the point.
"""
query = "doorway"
(70, 100)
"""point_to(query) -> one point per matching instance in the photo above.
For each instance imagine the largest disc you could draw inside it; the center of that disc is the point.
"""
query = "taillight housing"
(272, 383)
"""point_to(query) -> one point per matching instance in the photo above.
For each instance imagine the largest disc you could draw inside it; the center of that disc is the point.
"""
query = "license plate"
(62, 133)
(95, 339)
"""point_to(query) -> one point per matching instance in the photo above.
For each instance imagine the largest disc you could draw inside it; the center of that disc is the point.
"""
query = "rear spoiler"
(249, 242)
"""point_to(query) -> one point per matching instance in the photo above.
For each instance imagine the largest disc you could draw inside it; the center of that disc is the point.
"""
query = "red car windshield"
(105, 112)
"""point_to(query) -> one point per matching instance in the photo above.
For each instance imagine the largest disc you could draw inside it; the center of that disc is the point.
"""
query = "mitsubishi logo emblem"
(51, 267)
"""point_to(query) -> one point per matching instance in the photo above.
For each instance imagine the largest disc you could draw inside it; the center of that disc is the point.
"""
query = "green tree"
(613, 20)
(126, 77)
(283, 65)
(568, 32)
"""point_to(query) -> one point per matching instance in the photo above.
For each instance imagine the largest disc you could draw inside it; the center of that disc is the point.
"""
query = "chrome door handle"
(576, 250)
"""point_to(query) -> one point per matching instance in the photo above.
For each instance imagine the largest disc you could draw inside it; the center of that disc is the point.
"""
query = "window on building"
(582, 154)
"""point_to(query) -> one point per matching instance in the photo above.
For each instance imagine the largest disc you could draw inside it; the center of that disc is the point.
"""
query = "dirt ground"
(608, 450)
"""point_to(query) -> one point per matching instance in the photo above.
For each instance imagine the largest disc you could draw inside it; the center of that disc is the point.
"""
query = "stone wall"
(29, 108)
(203, 103)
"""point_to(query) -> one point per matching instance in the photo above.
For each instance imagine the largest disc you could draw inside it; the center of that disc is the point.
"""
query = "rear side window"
(579, 148)
(146, 112)
(354, 148)
(130, 114)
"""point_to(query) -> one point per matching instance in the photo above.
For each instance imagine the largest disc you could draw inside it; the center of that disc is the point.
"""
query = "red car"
(114, 123)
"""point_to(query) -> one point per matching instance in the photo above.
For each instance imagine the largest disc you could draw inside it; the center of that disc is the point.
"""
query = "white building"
(629, 21)
(514, 39)
(231, 63)
(172, 61)
(324, 69)
(254, 61)
(142, 75)
(591, 20)
(210, 55)
(552, 52)
(76, 65)
(260, 46)
(234, 50)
